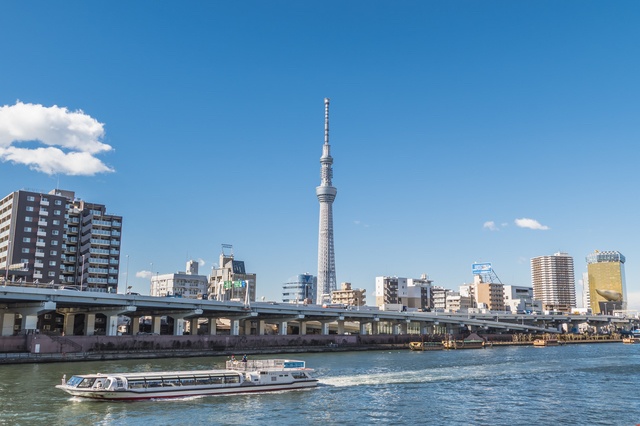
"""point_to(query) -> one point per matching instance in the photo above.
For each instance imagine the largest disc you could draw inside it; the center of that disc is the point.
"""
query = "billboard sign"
(481, 268)
(228, 284)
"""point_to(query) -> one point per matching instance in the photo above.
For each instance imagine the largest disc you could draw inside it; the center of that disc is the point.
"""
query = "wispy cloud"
(530, 223)
(357, 222)
(71, 138)
(201, 262)
(491, 225)
(143, 274)
(505, 224)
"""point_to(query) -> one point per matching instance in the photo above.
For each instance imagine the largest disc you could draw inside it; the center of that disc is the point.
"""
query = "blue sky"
(444, 116)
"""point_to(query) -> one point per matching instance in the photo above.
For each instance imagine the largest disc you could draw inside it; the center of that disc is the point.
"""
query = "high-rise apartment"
(553, 282)
(607, 283)
(59, 239)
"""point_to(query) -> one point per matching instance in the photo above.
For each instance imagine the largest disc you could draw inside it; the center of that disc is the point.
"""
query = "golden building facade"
(607, 284)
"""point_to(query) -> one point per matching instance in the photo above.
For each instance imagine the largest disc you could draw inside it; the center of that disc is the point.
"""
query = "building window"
(31, 198)
(25, 250)
(52, 274)
(55, 232)
(46, 327)
(47, 316)
(58, 203)
(26, 240)
(24, 260)
(27, 229)
(28, 219)
(53, 252)
(56, 212)
(54, 243)
(52, 263)
(45, 199)
(29, 208)
(44, 209)
(56, 222)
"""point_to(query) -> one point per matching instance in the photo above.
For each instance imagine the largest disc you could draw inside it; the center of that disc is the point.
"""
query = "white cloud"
(72, 139)
(530, 223)
(357, 222)
(143, 274)
(201, 262)
(505, 224)
(491, 225)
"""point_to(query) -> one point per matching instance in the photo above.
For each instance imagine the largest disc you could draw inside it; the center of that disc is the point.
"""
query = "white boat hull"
(125, 395)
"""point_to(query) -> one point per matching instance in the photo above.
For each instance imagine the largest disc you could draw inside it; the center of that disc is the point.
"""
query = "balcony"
(41, 213)
(113, 272)
(100, 232)
(42, 223)
(74, 220)
(37, 276)
(116, 223)
(114, 251)
(69, 270)
(115, 243)
(115, 233)
(97, 271)
(69, 259)
(113, 261)
(103, 242)
(44, 203)
(38, 265)
(97, 260)
(39, 254)
(40, 244)
(113, 281)
(97, 280)
(41, 234)
(72, 230)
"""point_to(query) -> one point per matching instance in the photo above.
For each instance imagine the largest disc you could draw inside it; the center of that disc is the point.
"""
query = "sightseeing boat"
(238, 377)
(631, 340)
(543, 342)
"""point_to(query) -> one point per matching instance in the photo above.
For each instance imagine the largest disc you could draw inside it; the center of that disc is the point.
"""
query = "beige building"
(348, 296)
(480, 294)
(187, 284)
(231, 282)
(410, 292)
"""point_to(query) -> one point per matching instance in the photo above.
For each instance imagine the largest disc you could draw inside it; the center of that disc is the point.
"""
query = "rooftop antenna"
(227, 246)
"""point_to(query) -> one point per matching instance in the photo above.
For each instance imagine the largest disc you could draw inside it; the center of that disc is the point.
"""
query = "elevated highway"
(31, 303)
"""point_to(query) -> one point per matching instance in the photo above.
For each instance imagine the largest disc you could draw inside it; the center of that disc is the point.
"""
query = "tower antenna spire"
(326, 121)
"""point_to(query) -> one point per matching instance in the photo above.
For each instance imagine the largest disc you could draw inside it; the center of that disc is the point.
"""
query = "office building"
(607, 283)
(410, 292)
(485, 295)
(519, 299)
(439, 295)
(553, 282)
(586, 297)
(326, 194)
(57, 238)
(230, 281)
(348, 296)
(300, 288)
(455, 302)
(186, 284)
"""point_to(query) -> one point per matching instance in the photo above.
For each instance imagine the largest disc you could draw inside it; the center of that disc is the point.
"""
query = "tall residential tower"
(553, 282)
(326, 194)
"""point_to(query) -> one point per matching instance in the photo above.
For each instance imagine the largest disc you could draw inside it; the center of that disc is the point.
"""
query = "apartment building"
(410, 292)
(554, 282)
(230, 281)
(56, 238)
(187, 284)
(348, 296)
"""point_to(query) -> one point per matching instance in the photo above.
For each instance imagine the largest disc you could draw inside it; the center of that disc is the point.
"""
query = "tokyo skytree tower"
(326, 194)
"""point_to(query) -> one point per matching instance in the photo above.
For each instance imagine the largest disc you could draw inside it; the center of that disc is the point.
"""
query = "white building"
(439, 295)
(586, 296)
(410, 292)
(187, 284)
(553, 281)
(455, 302)
(520, 299)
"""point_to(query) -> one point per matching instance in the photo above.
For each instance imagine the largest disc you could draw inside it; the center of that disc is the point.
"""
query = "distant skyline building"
(326, 194)
(186, 284)
(230, 281)
(553, 282)
(299, 288)
(586, 297)
(348, 295)
(410, 292)
(607, 282)
(57, 238)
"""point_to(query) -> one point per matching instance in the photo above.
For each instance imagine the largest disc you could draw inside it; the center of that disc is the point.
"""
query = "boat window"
(86, 383)
(120, 383)
(74, 381)
(263, 372)
(171, 381)
(217, 380)
(298, 375)
(155, 382)
(136, 384)
(107, 384)
(274, 378)
(203, 380)
(188, 381)
(232, 379)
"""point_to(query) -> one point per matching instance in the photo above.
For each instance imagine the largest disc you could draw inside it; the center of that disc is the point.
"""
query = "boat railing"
(259, 364)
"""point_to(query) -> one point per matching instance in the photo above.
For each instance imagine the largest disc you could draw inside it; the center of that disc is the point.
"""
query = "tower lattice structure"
(326, 193)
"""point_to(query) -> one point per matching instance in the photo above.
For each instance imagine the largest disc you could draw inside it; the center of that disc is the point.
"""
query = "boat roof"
(159, 373)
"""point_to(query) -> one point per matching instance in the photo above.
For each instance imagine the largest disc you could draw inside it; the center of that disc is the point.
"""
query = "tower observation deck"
(326, 193)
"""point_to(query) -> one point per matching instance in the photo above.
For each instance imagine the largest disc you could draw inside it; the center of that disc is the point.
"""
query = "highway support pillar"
(302, 330)
(193, 326)
(341, 327)
(6, 323)
(67, 326)
(213, 328)
(247, 327)
(282, 328)
(374, 326)
(261, 328)
(89, 324)
(363, 328)
(135, 325)
(234, 327)
(30, 312)
(156, 323)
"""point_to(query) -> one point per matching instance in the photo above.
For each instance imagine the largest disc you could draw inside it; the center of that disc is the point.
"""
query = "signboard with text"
(481, 268)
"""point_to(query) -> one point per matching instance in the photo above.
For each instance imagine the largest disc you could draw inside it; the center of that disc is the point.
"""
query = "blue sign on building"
(481, 268)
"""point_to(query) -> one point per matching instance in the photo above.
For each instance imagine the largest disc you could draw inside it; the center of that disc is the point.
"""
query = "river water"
(571, 385)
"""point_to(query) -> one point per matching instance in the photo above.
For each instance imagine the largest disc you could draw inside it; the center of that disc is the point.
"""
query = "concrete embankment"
(42, 348)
